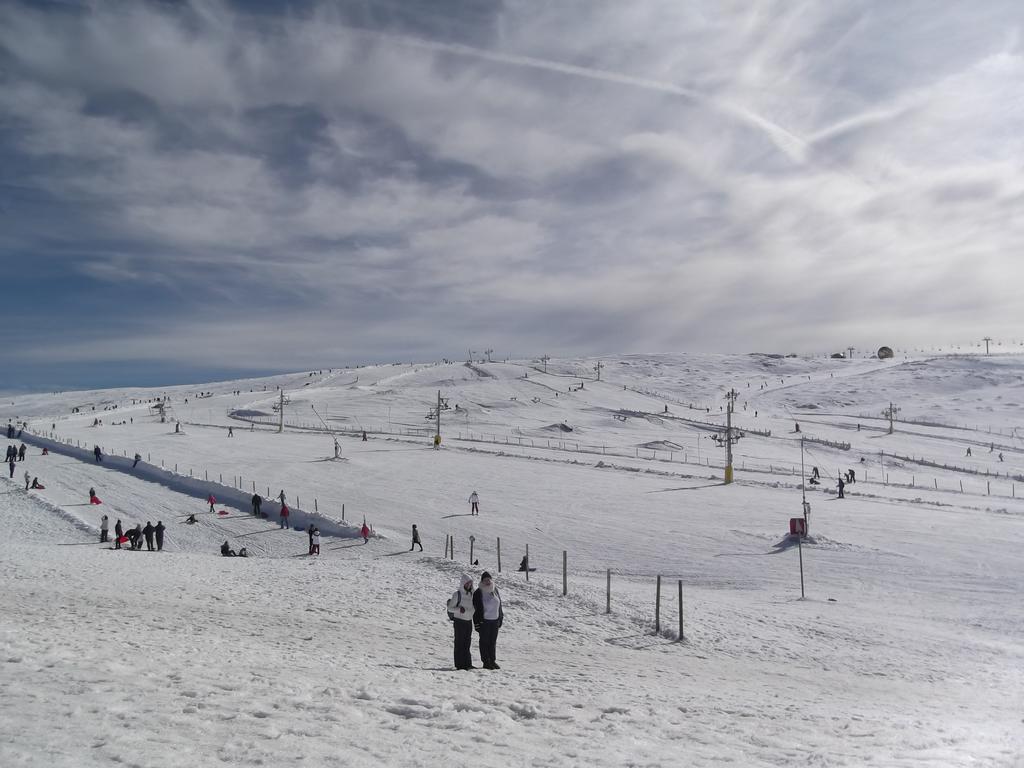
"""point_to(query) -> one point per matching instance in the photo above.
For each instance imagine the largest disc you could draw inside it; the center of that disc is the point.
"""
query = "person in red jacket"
(365, 533)
(212, 500)
(284, 516)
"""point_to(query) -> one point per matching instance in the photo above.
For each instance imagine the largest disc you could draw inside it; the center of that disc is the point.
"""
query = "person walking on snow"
(257, 500)
(159, 531)
(284, 516)
(281, 498)
(365, 533)
(1000, 455)
(487, 618)
(104, 528)
(28, 480)
(460, 613)
(21, 452)
(842, 485)
(315, 546)
(118, 534)
(231, 431)
(148, 533)
(135, 463)
(310, 532)
(11, 465)
(98, 453)
(415, 538)
(212, 500)
(474, 504)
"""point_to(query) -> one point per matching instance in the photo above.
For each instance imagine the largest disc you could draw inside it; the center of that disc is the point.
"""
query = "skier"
(257, 500)
(842, 485)
(118, 534)
(104, 528)
(474, 504)
(488, 618)
(98, 453)
(159, 531)
(415, 538)
(315, 546)
(211, 499)
(365, 533)
(460, 613)
(138, 458)
(148, 533)
(284, 516)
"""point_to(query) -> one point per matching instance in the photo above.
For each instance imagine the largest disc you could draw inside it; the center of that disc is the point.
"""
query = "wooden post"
(343, 513)
(471, 542)
(961, 486)
(987, 482)
(680, 610)
(527, 562)
(800, 550)
(657, 607)
(565, 577)
(608, 594)
(446, 537)
(206, 475)
(316, 505)
(499, 554)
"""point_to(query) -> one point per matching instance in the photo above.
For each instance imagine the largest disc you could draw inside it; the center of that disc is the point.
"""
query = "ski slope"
(907, 651)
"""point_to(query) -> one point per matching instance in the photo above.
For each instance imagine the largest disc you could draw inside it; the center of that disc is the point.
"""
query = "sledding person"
(257, 500)
(158, 530)
(211, 500)
(36, 485)
(487, 618)
(138, 458)
(191, 520)
(415, 538)
(460, 613)
(474, 504)
(842, 485)
(365, 533)
(104, 528)
(227, 551)
(118, 534)
(135, 536)
(524, 564)
(148, 533)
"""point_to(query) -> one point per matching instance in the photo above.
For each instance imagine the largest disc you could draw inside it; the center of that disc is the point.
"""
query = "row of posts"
(449, 552)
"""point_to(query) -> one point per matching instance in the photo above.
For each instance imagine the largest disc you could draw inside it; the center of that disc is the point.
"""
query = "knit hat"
(485, 575)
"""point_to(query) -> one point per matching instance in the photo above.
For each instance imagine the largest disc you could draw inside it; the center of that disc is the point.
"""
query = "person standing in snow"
(158, 530)
(104, 528)
(842, 485)
(282, 498)
(968, 450)
(148, 533)
(10, 464)
(309, 531)
(98, 453)
(21, 452)
(314, 547)
(118, 534)
(231, 431)
(365, 533)
(487, 618)
(460, 612)
(28, 480)
(284, 516)
(415, 538)
(138, 458)
(257, 500)
(474, 504)
(212, 500)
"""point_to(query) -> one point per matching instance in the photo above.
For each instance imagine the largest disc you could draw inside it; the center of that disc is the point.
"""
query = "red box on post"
(797, 527)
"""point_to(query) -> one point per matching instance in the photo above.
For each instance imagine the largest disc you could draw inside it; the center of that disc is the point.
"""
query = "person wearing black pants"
(118, 534)
(148, 533)
(415, 539)
(487, 618)
(460, 611)
(159, 531)
(257, 500)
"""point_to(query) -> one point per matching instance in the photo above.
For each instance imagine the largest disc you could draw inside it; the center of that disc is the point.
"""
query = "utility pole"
(890, 413)
(850, 350)
(437, 435)
(987, 339)
(803, 490)
(730, 396)
(545, 361)
(280, 413)
(598, 368)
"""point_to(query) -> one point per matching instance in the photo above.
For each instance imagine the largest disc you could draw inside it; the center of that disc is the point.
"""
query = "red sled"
(94, 500)
(222, 513)
(123, 540)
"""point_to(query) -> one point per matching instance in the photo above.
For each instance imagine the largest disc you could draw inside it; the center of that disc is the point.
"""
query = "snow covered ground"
(908, 651)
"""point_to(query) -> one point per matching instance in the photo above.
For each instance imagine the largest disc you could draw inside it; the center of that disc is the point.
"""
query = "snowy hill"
(907, 651)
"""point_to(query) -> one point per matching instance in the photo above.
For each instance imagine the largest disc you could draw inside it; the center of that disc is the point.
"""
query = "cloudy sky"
(197, 189)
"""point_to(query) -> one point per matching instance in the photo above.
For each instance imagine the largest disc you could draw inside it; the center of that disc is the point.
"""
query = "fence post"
(989, 484)
(452, 547)
(472, 540)
(961, 486)
(657, 608)
(343, 513)
(190, 471)
(446, 537)
(680, 610)
(254, 486)
(565, 578)
(499, 554)
(206, 475)
(527, 562)
(608, 594)
(175, 468)
(936, 483)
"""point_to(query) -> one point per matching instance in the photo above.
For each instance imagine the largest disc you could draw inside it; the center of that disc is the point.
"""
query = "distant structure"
(884, 353)
(838, 356)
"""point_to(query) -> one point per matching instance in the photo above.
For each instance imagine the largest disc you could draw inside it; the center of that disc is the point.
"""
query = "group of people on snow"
(153, 535)
(15, 453)
(479, 609)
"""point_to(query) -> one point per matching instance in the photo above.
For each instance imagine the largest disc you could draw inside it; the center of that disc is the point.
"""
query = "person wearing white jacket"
(488, 618)
(460, 612)
(474, 502)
